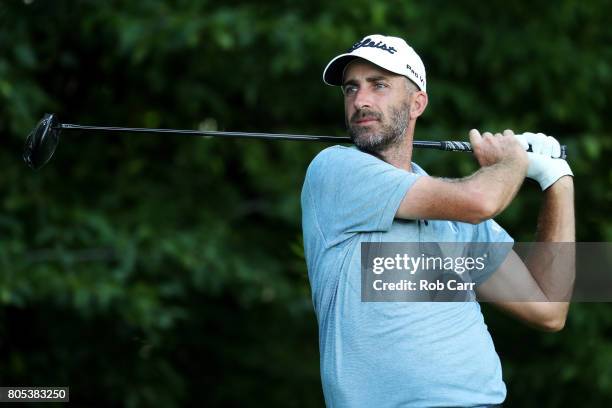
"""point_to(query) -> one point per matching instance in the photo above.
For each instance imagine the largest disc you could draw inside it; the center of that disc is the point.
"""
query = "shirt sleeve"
(491, 241)
(352, 192)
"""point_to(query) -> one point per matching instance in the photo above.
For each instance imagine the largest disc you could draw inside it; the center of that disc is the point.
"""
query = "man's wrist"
(516, 164)
(547, 171)
(565, 184)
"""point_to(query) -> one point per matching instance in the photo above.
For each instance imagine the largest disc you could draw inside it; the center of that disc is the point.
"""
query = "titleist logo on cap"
(367, 42)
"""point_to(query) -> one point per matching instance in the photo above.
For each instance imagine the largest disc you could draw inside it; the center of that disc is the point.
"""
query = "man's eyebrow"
(377, 78)
(349, 82)
(368, 79)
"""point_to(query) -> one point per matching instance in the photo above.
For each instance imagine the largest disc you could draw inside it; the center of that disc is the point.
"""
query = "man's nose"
(363, 99)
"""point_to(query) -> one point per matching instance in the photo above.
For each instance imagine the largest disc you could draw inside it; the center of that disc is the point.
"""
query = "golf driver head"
(41, 142)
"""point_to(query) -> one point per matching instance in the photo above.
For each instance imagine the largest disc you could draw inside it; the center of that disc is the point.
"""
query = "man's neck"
(399, 155)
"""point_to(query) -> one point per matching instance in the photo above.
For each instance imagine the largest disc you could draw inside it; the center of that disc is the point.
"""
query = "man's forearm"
(556, 221)
(553, 264)
(499, 184)
(474, 199)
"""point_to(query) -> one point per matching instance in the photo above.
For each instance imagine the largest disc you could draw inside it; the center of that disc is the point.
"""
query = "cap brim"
(334, 71)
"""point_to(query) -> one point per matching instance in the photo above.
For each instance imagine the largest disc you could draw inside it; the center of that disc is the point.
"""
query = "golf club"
(43, 140)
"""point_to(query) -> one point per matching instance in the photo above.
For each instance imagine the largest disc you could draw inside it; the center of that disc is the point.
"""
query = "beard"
(392, 131)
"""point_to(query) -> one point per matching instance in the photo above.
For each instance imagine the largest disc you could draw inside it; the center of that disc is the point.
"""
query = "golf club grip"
(466, 147)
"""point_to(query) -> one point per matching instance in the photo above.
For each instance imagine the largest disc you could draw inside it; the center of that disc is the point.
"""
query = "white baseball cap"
(390, 53)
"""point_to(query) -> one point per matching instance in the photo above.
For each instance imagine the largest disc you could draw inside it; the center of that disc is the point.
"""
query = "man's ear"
(418, 105)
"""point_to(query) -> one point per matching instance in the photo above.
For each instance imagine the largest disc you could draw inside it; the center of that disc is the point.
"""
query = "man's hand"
(501, 147)
(545, 166)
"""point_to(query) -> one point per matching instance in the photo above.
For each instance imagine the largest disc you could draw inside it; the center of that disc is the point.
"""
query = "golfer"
(417, 354)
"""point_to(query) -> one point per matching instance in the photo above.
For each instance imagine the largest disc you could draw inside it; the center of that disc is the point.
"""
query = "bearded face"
(374, 131)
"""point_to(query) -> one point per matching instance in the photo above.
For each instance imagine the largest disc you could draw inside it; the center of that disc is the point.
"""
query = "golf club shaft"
(444, 145)
(439, 145)
(269, 136)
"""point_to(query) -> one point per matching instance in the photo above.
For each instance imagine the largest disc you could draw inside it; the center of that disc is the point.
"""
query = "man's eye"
(349, 89)
(380, 85)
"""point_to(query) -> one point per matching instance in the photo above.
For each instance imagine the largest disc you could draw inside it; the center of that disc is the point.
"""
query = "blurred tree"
(154, 271)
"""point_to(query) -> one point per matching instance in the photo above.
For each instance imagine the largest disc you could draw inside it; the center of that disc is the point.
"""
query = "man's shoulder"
(349, 164)
(337, 160)
(337, 153)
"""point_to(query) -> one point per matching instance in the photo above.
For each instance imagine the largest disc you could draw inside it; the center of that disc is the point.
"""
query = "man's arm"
(547, 277)
(478, 197)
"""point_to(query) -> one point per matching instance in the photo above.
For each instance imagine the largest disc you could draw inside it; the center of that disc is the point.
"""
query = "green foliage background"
(153, 271)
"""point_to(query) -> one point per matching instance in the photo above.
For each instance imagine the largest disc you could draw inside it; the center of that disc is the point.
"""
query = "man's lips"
(364, 121)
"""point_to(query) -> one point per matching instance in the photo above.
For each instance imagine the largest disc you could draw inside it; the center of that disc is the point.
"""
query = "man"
(418, 354)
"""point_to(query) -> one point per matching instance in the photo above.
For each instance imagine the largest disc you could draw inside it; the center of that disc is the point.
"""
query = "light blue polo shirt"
(388, 354)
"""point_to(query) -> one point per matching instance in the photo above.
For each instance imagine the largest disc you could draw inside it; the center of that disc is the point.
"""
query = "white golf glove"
(545, 166)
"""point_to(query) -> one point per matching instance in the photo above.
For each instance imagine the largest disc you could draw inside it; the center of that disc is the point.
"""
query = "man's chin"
(368, 142)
